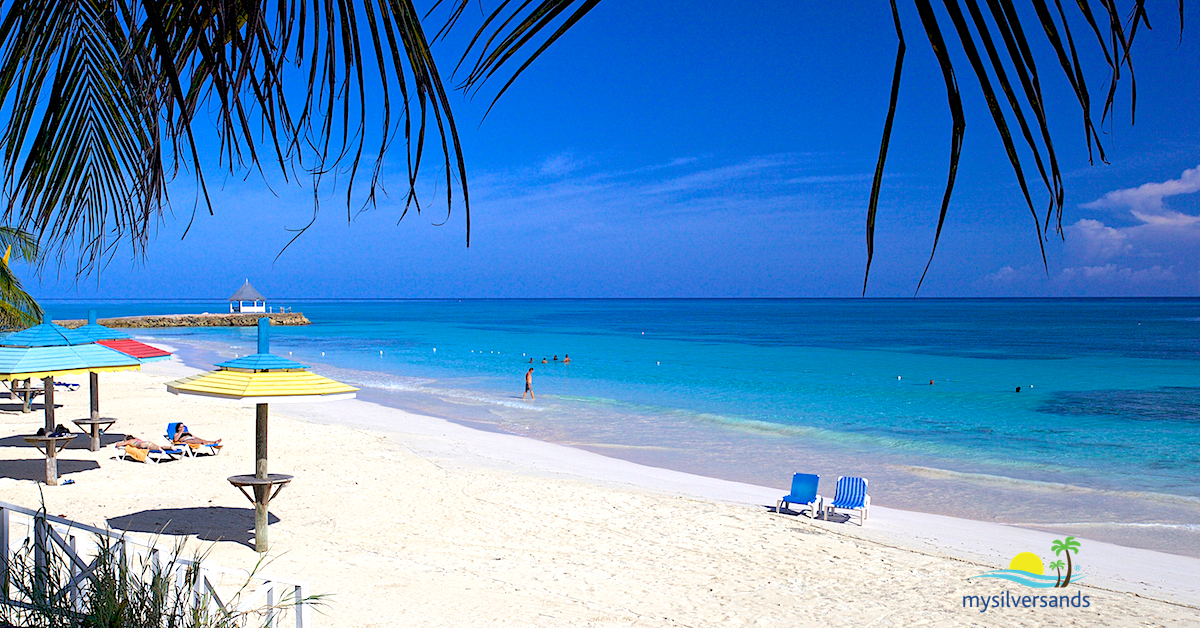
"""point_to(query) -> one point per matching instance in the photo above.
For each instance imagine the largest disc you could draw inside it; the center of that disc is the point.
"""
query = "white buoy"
(897, 377)
(435, 349)
(380, 353)
(322, 354)
(658, 363)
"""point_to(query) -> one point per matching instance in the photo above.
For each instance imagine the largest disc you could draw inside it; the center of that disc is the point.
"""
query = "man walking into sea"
(528, 385)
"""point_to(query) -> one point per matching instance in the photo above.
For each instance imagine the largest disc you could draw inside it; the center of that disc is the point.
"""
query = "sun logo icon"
(1026, 568)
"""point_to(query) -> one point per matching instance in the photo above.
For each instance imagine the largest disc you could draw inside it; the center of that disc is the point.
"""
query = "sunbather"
(184, 437)
(140, 444)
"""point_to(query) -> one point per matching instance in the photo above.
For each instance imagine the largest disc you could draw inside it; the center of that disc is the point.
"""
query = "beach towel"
(136, 453)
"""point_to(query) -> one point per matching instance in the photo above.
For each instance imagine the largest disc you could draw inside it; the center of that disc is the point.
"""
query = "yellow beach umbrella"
(262, 378)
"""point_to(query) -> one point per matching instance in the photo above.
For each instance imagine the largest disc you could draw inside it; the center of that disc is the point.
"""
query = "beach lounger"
(190, 450)
(851, 495)
(153, 456)
(804, 493)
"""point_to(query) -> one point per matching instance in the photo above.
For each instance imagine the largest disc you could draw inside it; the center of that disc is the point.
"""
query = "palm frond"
(102, 102)
(18, 309)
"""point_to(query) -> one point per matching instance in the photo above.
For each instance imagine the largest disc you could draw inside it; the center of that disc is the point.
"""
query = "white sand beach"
(405, 520)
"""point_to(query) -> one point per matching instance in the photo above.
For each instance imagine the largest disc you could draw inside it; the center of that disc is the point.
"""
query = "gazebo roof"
(247, 293)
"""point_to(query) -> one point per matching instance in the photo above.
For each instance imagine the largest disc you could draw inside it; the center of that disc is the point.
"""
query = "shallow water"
(1102, 440)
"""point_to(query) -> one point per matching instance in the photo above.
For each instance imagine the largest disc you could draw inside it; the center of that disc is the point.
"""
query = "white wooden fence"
(224, 592)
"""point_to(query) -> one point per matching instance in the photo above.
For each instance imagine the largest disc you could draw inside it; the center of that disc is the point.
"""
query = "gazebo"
(237, 302)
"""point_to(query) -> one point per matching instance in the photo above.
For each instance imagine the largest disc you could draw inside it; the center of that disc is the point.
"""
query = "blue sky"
(722, 149)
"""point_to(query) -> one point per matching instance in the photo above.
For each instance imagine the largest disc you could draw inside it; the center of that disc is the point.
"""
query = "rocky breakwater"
(194, 320)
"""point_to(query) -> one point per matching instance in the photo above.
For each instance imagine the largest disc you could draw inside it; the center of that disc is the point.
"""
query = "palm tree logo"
(1067, 546)
(1058, 565)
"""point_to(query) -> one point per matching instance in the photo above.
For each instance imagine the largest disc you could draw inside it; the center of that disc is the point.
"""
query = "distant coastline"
(205, 319)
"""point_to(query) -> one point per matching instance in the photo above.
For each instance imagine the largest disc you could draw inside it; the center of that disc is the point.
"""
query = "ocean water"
(1102, 441)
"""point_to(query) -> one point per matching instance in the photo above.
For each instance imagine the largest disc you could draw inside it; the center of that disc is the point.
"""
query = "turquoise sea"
(1102, 441)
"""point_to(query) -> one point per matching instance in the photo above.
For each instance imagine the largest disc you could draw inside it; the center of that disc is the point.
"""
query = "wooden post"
(94, 388)
(27, 398)
(51, 447)
(261, 493)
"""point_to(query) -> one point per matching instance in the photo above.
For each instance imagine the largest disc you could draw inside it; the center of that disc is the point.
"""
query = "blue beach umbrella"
(48, 350)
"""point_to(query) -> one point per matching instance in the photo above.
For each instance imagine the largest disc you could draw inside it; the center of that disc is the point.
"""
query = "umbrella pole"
(51, 448)
(261, 492)
(94, 389)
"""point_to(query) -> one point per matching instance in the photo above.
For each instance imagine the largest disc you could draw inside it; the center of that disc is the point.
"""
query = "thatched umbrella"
(262, 378)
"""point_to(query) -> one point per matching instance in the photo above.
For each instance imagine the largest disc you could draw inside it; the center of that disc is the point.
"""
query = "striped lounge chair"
(851, 495)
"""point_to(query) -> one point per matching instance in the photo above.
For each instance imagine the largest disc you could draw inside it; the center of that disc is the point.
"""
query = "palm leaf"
(102, 101)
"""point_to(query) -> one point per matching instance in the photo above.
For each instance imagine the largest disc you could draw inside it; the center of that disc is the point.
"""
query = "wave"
(1053, 487)
(1026, 578)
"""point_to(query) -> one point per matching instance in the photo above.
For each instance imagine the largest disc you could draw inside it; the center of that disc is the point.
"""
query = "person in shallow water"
(566, 358)
(529, 385)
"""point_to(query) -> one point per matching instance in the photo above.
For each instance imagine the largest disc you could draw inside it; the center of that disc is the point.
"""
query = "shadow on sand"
(36, 469)
(214, 523)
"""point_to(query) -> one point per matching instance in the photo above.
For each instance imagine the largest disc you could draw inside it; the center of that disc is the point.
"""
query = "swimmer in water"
(1018, 389)
(543, 360)
(931, 382)
(566, 359)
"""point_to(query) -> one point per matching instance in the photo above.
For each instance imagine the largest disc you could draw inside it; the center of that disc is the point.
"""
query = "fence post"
(5, 553)
(273, 613)
(76, 598)
(301, 608)
(41, 571)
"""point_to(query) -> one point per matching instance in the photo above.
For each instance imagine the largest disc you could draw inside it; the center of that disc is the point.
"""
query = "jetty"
(195, 320)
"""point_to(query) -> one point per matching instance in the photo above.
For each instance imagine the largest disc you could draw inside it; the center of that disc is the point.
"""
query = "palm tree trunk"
(1059, 583)
(1068, 580)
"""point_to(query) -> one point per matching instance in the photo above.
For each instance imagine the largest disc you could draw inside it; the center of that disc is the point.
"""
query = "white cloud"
(1147, 199)
(1115, 273)
(1098, 240)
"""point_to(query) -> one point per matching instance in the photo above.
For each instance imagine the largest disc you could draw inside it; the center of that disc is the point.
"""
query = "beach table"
(95, 427)
(26, 393)
(263, 493)
(50, 446)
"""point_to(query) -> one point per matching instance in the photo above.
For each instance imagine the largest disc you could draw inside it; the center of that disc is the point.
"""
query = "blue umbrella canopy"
(42, 361)
(45, 335)
(96, 331)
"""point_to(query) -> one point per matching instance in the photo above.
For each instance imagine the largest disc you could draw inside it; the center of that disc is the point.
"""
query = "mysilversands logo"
(1026, 569)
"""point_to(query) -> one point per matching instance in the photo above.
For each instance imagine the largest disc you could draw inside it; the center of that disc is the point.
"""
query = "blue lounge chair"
(851, 495)
(189, 450)
(804, 493)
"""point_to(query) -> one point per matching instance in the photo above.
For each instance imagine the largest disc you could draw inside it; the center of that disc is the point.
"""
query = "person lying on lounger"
(184, 437)
(138, 443)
